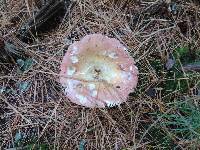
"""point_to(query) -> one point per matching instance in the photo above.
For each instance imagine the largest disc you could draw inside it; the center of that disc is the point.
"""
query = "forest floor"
(162, 36)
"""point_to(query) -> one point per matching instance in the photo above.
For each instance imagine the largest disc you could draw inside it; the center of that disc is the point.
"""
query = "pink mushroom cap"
(97, 71)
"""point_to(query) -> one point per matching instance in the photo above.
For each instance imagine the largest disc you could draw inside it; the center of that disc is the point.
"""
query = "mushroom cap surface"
(97, 71)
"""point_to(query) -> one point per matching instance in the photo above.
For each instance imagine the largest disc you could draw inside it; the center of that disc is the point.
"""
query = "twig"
(15, 110)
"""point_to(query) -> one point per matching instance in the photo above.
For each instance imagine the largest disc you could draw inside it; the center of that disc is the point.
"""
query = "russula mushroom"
(97, 71)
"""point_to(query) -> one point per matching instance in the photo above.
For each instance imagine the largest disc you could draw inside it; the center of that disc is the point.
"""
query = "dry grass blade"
(42, 117)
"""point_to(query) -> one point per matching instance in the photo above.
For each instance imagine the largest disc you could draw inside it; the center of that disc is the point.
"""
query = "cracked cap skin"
(97, 71)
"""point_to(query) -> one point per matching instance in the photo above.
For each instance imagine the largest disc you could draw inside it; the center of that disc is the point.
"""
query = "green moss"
(159, 138)
(185, 123)
(171, 80)
(29, 143)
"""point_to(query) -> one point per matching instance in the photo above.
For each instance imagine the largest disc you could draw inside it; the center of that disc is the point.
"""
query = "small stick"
(192, 67)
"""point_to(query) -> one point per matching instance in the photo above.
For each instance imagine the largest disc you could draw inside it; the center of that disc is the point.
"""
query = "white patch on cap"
(131, 68)
(126, 75)
(112, 55)
(74, 50)
(111, 103)
(94, 93)
(72, 84)
(82, 99)
(91, 86)
(136, 67)
(104, 53)
(74, 59)
(65, 84)
(125, 49)
(71, 70)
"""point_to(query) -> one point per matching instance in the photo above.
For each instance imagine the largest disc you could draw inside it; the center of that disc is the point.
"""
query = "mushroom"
(97, 71)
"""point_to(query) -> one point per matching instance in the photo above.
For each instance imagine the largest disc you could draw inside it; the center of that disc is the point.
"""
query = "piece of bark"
(46, 19)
